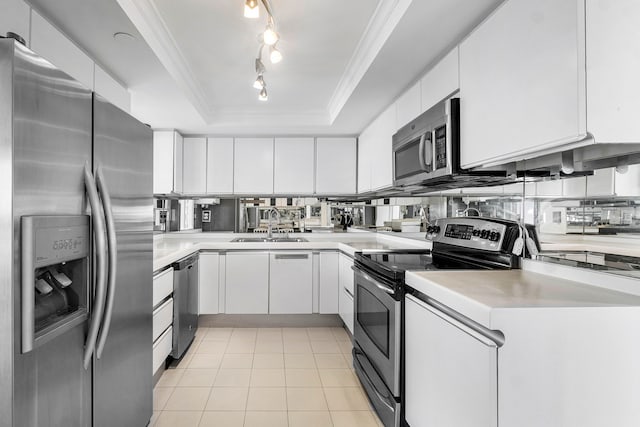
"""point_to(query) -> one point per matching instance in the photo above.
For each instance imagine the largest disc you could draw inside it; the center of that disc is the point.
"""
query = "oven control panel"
(470, 232)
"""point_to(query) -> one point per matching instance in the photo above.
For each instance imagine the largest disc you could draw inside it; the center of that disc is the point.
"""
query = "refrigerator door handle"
(101, 269)
(113, 259)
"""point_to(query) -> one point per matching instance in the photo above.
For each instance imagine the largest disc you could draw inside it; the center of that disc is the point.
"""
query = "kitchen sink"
(269, 239)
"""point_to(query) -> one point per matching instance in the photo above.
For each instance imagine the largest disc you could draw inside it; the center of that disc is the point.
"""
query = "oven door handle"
(368, 278)
(358, 354)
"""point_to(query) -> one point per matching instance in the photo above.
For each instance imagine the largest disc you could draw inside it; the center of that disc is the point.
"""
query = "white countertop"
(479, 295)
(171, 247)
(619, 245)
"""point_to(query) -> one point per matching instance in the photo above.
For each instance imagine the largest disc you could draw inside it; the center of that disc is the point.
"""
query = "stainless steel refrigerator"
(76, 241)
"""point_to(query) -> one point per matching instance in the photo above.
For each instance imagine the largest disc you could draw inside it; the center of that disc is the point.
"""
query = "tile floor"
(264, 377)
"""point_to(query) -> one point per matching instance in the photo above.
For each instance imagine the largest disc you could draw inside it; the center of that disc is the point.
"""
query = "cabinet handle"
(292, 256)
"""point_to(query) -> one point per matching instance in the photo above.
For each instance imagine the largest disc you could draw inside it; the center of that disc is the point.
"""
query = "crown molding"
(382, 23)
(147, 19)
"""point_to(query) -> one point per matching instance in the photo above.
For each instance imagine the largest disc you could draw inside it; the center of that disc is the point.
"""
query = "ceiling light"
(275, 55)
(270, 37)
(251, 9)
(263, 94)
(259, 83)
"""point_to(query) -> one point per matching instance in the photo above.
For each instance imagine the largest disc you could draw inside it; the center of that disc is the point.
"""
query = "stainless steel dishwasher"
(185, 304)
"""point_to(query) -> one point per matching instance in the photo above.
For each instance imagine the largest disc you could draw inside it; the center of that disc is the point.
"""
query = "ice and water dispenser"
(55, 276)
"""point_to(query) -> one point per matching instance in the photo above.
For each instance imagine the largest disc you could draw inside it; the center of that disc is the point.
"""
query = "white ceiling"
(191, 64)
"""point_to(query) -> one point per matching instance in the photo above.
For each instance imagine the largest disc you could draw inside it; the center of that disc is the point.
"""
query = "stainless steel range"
(458, 243)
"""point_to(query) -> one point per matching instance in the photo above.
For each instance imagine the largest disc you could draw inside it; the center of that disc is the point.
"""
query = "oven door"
(377, 322)
(413, 158)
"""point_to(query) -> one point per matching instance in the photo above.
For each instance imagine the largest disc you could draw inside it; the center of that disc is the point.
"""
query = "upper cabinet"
(335, 166)
(220, 165)
(195, 175)
(294, 165)
(408, 106)
(538, 77)
(521, 81)
(441, 81)
(375, 168)
(253, 166)
(167, 166)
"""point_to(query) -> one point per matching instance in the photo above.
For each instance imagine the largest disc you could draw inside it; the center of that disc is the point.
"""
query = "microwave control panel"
(440, 147)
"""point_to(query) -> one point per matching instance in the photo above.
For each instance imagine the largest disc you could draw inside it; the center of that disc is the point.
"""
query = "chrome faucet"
(270, 214)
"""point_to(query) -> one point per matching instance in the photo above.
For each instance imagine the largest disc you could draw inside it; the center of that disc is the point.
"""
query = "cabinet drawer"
(162, 285)
(162, 318)
(162, 348)
(346, 309)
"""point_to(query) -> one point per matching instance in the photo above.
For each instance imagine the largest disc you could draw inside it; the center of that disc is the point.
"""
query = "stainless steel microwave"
(427, 147)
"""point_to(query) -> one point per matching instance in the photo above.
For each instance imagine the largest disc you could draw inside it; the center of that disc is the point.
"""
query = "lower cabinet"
(345, 303)
(247, 283)
(454, 371)
(162, 317)
(290, 282)
(209, 282)
(329, 282)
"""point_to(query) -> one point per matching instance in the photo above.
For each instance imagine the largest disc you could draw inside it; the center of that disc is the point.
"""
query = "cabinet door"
(366, 142)
(194, 166)
(209, 282)
(336, 166)
(253, 166)
(375, 169)
(522, 81)
(346, 309)
(294, 163)
(441, 81)
(162, 162)
(219, 166)
(627, 183)
(346, 273)
(329, 282)
(177, 162)
(408, 106)
(454, 377)
(15, 18)
(290, 283)
(56, 48)
(247, 283)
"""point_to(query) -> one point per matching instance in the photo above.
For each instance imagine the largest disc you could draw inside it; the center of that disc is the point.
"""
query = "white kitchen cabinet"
(162, 286)
(345, 303)
(253, 166)
(209, 282)
(552, 188)
(441, 81)
(161, 349)
(167, 162)
(56, 48)
(336, 166)
(294, 166)
(329, 286)
(408, 106)
(194, 163)
(107, 87)
(15, 18)
(219, 166)
(247, 283)
(346, 309)
(627, 182)
(375, 168)
(162, 318)
(290, 282)
(453, 377)
(178, 164)
(521, 81)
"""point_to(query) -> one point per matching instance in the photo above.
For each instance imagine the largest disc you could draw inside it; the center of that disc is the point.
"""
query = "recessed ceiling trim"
(384, 20)
(148, 21)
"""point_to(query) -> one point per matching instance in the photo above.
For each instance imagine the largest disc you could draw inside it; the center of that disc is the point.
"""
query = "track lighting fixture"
(268, 38)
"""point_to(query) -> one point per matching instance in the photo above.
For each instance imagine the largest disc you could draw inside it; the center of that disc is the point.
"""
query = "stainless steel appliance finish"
(46, 121)
(458, 243)
(426, 153)
(185, 304)
(123, 153)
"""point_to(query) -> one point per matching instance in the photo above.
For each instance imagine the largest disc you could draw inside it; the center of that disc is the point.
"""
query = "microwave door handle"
(101, 269)
(113, 260)
(422, 153)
